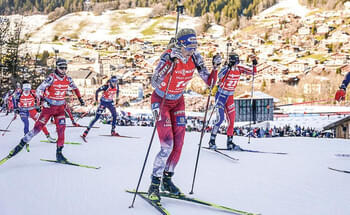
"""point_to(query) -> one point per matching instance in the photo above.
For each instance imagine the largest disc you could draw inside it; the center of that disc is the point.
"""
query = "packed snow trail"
(297, 183)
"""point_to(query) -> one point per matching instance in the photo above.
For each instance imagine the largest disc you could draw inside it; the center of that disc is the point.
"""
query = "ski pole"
(179, 10)
(13, 119)
(251, 103)
(201, 138)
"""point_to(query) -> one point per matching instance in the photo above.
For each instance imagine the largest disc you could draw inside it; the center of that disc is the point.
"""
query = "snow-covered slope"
(284, 7)
(297, 183)
(126, 24)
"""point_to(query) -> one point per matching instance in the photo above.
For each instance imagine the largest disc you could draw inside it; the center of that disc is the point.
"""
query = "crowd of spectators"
(194, 124)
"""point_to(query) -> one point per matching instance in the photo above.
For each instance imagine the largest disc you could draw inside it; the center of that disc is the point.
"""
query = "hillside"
(223, 11)
(126, 24)
(329, 4)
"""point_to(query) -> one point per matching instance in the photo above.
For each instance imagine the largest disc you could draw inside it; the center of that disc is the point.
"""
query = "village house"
(86, 80)
(304, 31)
(341, 127)
(323, 29)
(297, 66)
(135, 44)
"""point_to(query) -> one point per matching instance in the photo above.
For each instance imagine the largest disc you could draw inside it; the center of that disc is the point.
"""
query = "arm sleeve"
(15, 100)
(103, 88)
(43, 86)
(74, 87)
(37, 101)
(201, 68)
(164, 66)
(345, 82)
(247, 70)
(223, 72)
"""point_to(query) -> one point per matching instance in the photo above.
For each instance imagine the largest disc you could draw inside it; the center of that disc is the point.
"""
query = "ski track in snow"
(297, 183)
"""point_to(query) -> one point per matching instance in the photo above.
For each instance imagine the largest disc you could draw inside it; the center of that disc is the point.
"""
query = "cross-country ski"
(190, 106)
(71, 163)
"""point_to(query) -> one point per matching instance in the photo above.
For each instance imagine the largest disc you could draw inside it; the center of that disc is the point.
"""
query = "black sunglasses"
(62, 68)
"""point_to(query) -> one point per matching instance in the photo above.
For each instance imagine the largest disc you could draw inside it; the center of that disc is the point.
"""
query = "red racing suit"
(27, 108)
(53, 92)
(224, 98)
(172, 122)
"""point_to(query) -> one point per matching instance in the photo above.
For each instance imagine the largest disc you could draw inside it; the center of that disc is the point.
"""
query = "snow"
(297, 183)
(284, 7)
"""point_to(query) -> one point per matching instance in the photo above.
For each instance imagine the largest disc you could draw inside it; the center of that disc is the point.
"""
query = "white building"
(304, 31)
(134, 90)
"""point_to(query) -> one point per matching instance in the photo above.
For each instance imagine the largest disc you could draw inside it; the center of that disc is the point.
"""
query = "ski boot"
(17, 149)
(113, 133)
(59, 156)
(50, 139)
(168, 185)
(27, 147)
(153, 191)
(85, 134)
(232, 146)
(212, 144)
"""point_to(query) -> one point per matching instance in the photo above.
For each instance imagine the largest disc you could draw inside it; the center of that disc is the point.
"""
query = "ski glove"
(212, 78)
(216, 61)
(38, 109)
(46, 104)
(176, 53)
(340, 95)
(156, 111)
(82, 103)
(16, 111)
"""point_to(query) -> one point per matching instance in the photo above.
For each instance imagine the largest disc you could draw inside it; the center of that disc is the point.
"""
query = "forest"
(223, 11)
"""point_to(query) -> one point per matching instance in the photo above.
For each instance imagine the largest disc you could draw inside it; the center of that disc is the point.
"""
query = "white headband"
(26, 87)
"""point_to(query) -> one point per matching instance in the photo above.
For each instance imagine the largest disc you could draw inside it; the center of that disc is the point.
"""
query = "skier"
(110, 90)
(5, 101)
(340, 94)
(180, 62)
(52, 93)
(10, 102)
(27, 105)
(224, 98)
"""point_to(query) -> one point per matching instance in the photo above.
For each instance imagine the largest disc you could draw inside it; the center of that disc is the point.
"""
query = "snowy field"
(299, 183)
(284, 7)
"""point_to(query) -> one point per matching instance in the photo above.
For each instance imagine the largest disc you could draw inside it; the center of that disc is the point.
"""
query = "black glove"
(16, 111)
(38, 109)
(116, 101)
(255, 62)
(82, 103)
(216, 60)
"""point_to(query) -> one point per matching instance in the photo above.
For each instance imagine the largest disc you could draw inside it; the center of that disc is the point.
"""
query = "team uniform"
(10, 103)
(110, 91)
(52, 93)
(171, 124)
(26, 105)
(224, 99)
(5, 100)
